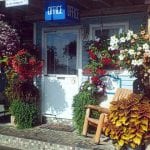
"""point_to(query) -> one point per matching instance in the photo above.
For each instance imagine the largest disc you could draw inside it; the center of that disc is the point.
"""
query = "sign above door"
(12, 3)
(60, 10)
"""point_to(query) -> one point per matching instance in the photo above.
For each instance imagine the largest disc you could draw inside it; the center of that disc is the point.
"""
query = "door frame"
(78, 61)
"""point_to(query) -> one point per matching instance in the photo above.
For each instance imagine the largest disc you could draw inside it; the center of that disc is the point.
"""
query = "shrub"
(80, 100)
(25, 114)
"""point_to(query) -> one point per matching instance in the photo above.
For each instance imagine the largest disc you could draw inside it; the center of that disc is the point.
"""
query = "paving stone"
(46, 139)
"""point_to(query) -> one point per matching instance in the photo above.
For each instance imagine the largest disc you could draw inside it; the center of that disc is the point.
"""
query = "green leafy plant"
(25, 114)
(83, 98)
(129, 120)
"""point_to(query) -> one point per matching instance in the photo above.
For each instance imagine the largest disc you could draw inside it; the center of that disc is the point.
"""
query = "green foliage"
(80, 100)
(25, 114)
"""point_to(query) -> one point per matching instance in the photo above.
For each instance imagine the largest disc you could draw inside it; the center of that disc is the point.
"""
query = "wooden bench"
(98, 123)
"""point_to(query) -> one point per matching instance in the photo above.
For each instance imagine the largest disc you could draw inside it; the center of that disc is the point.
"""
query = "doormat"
(58, 127)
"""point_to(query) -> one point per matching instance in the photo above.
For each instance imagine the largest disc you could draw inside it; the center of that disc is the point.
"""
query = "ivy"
(80, 100)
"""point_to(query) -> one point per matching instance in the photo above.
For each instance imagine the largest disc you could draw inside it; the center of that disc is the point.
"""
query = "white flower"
(148, 70)
(131, 51)
(140, 62)
(128, 38)
(130, 33)
(113, 47)
(145, 46)
(139, 48)
(134, 62)
(122, 51)
(121, 57)
(145, 74)
(135, 36)
(113, 40)
(89, 88)
(147, 51)
(137, 62)
(97, 39)
(122, 39)
(138, 53)
(99, 89)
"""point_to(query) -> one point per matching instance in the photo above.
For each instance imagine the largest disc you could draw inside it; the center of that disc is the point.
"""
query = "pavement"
(7, 148)
(44, 137)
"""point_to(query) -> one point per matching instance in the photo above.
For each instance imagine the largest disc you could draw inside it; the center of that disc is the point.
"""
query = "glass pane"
(106, 33)
(61, 52)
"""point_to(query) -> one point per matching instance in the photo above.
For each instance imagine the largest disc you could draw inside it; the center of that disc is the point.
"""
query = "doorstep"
(45, 139)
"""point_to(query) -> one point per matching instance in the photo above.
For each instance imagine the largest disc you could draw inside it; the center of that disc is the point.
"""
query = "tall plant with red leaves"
(26, 65)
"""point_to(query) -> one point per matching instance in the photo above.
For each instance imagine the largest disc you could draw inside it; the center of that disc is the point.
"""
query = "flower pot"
(12, 120)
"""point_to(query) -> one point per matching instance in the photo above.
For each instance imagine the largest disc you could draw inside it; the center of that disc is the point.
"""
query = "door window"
(61, 52)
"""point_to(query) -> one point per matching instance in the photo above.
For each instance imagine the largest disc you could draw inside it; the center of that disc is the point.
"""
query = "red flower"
(32, 61)
(92, 55)
(26, 66)
(22, 52)
(106, 61)
(95, 80)
(101, 71)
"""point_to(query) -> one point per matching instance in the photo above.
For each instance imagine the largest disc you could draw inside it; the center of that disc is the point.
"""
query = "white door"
(60, 82)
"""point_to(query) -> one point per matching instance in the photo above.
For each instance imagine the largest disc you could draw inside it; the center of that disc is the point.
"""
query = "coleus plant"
(129, 120)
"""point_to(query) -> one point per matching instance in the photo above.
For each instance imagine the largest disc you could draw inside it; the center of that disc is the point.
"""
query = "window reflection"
(61, 53)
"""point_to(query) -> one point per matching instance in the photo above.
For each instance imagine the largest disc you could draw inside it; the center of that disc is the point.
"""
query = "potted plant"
(80, 100)
(24, 115)
(129, 121)
(134, 56)
(101, 58)
(23, 94)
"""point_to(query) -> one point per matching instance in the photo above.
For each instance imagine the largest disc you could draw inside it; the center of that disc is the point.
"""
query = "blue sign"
(59, 10)
(55, 10)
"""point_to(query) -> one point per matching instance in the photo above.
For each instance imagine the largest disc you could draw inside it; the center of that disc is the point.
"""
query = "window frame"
(113, 25)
